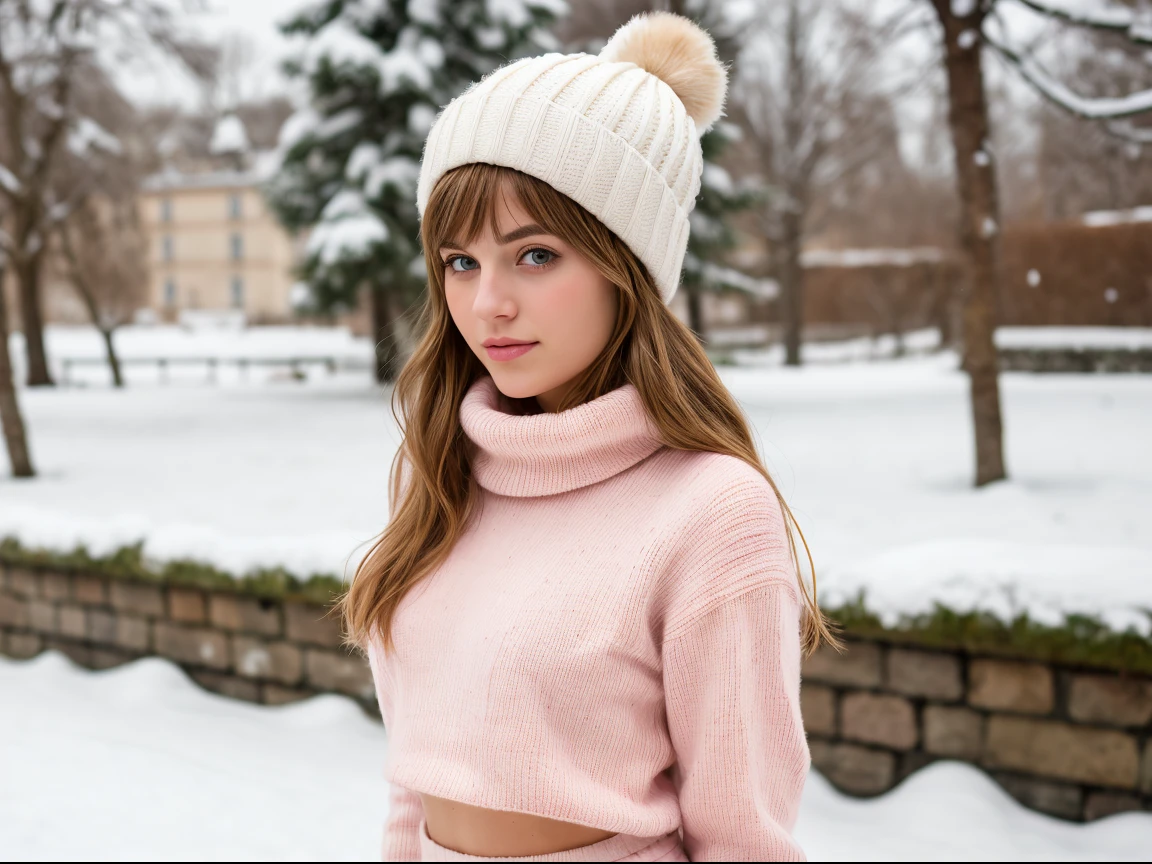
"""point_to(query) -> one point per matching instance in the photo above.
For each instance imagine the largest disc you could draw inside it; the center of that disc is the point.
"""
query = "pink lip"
(509, 352)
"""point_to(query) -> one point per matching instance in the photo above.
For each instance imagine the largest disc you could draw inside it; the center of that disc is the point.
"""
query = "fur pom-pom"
(681, 54)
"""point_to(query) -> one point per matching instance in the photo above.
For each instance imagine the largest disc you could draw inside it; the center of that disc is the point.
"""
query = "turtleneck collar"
(549, 453)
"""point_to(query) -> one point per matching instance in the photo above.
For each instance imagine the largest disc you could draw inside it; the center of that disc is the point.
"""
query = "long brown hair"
(649, 347)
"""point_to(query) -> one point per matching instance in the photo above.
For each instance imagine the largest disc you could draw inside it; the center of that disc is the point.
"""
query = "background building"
(215, 246)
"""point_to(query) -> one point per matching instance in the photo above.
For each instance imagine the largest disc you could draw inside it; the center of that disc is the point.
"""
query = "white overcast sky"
(159, 81)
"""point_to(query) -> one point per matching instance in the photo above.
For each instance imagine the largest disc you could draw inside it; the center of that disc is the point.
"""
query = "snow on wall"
(1103, 218)
(1005, 579)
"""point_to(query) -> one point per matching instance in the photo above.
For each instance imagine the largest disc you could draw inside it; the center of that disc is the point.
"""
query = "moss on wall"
(1079, 641)
(129, 562)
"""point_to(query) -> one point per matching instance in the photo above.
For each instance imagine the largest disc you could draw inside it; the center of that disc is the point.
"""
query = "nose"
(492, 299)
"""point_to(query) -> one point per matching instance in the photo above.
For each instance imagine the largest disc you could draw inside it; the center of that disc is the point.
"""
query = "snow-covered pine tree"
(712, 234)
(377, 72)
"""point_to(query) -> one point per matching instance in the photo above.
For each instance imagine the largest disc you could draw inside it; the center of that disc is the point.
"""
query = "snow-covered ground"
(922, 341)
(207, 341)
(137, 763)
(174, 342)
(875, 459)
(181, 345)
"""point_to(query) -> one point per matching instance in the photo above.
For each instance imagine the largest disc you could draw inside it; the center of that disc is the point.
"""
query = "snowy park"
(914, 239)
(874, 458)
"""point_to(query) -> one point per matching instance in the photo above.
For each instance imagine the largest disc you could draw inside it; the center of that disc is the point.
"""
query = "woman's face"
(526, 286)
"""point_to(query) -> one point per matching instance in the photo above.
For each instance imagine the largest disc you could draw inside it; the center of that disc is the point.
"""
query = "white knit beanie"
(618, 132)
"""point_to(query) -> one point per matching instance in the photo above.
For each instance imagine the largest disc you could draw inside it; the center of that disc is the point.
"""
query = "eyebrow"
(519, 234)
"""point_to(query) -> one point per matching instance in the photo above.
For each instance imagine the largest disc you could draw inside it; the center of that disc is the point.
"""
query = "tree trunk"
(695, 313)
(940, 282)
(28, 279)
(796, 177)
(899, 306)
(384, 330)
(11, 422)
(979, 234)
(792, 286)
(113, 360)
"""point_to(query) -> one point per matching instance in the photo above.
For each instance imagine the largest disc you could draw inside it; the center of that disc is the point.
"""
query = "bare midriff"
(501, 833)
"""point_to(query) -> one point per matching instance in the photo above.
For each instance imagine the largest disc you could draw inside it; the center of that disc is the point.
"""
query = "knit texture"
(608, 134)
(613, 641)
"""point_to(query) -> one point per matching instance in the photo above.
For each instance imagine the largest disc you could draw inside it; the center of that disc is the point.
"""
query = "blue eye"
(532, 254)
(451, 262)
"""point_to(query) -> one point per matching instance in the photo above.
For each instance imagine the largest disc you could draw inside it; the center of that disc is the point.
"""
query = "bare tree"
(808, 72)
(46, 49)
(97, 243)
(979, 226)
(590, 23)
(231, 74)
(11, 420)
(104, 254)
(966, 26)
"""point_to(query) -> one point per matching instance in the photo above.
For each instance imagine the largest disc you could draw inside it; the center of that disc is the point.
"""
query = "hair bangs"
(467, 196)
(462, 201)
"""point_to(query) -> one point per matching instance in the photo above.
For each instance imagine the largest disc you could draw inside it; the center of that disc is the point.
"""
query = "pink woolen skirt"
(619, 847)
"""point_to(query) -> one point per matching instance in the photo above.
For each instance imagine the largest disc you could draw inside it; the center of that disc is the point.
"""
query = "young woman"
(585, 617)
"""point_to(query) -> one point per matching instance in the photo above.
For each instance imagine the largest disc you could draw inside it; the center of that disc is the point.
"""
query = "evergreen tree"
(378, 71)
(712, 235)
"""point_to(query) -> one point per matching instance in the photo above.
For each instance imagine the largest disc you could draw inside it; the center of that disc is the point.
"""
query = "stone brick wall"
(261, 650)
(1073, 742)
(1070, 741)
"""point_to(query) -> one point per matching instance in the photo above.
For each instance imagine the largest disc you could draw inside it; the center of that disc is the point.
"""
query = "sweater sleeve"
(405, 809)
(401, 830)
(731, 651)
(732, 685)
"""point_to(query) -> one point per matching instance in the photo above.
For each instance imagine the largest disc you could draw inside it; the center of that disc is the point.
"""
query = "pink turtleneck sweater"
(614, 641)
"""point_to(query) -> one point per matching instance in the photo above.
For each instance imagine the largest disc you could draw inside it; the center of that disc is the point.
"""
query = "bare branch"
(1103, 108)
(76, 271)
(1120, 21)
(1124, 130)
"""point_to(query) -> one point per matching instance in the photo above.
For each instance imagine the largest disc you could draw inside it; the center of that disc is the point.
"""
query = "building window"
(237, 247)
(169, 292)
(166, 247)
(234, 210)
(238, 292)
(165, 209)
